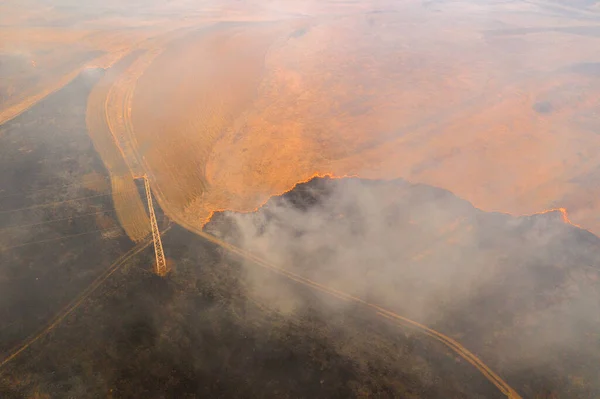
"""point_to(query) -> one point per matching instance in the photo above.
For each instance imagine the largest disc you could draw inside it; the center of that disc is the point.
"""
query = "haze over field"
(465, 136)
(495, 101)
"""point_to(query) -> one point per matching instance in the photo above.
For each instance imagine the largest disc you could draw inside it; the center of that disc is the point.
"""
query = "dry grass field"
(507, 121)
(226, 108)
(500, 108)
(464, 108)
(130, 209)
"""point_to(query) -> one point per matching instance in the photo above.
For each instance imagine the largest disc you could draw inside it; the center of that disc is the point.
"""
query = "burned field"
(219, 326)
(199, 332)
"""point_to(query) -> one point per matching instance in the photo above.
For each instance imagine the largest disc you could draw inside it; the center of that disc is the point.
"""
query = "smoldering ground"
(521, 292)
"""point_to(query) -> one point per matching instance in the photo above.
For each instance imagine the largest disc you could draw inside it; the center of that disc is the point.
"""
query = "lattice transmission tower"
(161, 264)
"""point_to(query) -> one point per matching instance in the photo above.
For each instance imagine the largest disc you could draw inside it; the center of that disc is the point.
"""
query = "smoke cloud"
(522, 292)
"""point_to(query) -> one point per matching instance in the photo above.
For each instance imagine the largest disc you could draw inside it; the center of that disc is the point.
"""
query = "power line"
(28, 193)
(4, 249)
(62, 202)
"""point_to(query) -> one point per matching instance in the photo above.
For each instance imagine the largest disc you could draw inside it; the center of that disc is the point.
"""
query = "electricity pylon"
(161, 263)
